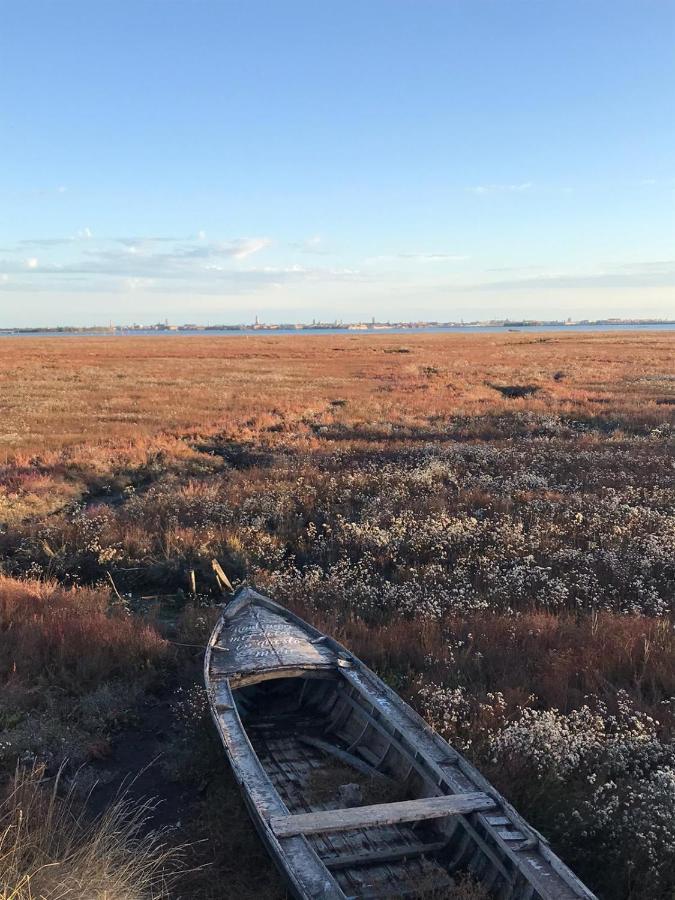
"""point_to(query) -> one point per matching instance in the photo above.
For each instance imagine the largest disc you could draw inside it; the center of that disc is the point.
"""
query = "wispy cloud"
(516, 269)
(417, 257)
(126, 263)
(629, 275)
(84, 234)
(313, 244)
(484, 189)
(432, 257)
(197, 248)
(243, 248)
(657, 182)
(146, 240)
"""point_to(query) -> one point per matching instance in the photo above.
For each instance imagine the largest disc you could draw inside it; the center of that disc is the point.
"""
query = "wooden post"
(113, 586)
(221, 577)
(192, 582)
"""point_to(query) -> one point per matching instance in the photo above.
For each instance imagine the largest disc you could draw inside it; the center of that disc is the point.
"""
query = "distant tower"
(256, 320)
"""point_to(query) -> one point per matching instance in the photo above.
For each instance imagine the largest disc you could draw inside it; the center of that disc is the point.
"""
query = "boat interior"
(325, 748)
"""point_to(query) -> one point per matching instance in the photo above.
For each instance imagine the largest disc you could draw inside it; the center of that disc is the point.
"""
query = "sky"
(211, 161)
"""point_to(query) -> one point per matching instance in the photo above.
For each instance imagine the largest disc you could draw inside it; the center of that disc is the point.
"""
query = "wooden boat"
(352, 793)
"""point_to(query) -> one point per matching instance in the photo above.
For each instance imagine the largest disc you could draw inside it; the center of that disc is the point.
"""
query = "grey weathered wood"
(380, 814)
(113, 586)
(359, 710)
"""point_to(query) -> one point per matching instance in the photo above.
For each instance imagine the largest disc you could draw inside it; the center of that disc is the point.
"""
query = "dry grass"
(84, 415)
(50, 850)
(73, 667)
(57, 393)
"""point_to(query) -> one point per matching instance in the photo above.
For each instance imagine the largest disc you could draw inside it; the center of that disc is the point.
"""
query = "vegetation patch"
(505, 562)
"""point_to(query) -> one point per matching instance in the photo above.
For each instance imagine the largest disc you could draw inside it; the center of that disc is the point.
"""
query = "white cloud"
(154, 264)
(659, 274)
(313, 244)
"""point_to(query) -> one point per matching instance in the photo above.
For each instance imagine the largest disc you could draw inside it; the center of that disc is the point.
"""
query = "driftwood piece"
(114, 587)
(332, 820)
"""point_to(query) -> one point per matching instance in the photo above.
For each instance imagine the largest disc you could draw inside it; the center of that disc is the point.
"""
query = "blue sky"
(209, 161)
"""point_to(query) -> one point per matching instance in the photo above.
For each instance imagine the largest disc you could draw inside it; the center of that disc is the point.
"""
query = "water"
(432, 329)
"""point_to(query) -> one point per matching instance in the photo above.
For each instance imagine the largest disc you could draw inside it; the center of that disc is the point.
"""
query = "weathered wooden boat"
(352, 793)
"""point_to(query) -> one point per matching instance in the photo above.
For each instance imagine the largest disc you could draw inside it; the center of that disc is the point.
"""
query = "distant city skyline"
(213, 161)
(372, 325)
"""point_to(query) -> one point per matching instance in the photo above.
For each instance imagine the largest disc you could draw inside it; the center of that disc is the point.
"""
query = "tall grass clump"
(50, 850)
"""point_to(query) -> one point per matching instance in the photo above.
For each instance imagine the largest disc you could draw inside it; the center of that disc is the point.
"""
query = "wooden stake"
(112, 584)
(193, 582)
(221, 577)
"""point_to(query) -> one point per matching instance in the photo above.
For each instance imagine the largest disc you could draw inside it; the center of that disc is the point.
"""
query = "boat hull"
(351, 792)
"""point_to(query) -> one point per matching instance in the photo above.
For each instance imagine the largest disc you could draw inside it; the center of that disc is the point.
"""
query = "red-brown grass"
(60, 393)
(541, 658)
(70, 636)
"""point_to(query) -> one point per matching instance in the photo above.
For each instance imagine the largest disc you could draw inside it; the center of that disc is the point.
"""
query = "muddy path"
(137, 761)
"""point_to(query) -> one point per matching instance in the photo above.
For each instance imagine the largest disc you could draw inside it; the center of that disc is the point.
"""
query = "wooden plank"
(380, 814)
(382, 855)
(347, 758)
